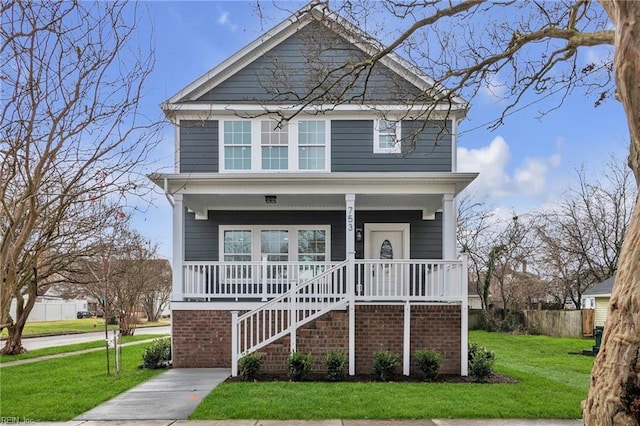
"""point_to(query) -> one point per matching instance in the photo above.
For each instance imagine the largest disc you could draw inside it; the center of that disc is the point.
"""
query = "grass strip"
(37, 353)
(551, 385)
(85, 325)
(61, 389)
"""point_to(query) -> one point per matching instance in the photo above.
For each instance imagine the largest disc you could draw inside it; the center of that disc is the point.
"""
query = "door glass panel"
(275, 245)
(386, 250)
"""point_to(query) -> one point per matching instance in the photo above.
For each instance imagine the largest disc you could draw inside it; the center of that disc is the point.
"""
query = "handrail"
(284, 314)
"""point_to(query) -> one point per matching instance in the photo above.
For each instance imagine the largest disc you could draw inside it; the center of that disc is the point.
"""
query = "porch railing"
(235, 280)
(374, 279)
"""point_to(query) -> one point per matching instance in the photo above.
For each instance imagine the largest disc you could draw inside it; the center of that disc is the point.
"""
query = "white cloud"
(530, 179)
(493, 162)
(226, 22)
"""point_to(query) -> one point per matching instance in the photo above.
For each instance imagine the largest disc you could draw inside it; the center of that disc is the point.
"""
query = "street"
(31, 343)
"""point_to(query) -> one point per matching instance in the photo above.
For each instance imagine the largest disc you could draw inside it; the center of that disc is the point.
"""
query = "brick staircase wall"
(202, 338)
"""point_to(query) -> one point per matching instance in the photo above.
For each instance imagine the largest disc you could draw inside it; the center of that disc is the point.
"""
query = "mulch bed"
(366, 378)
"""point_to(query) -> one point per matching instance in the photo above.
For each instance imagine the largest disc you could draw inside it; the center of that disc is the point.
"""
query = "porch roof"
(313, 191)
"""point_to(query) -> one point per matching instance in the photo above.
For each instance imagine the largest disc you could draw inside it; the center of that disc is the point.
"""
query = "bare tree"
(475, 235)
(72, 77)
(583, 235)
(157, 292)
(529, 48)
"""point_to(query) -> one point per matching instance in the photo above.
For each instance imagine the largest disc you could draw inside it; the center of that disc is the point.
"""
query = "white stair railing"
(283, 315)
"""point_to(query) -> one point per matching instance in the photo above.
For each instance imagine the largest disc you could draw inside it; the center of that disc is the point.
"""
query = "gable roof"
(314, 12)
(601, 289)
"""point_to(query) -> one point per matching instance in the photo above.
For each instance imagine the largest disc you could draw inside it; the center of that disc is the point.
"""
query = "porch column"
(448, 227)
(406, 348)
(178, 247)
(464, 318)
(350, 247)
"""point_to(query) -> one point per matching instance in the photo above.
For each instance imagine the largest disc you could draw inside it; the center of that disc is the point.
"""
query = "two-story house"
(315, 212)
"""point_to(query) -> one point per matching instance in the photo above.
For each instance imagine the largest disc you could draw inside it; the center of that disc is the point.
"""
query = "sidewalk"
(169, 399)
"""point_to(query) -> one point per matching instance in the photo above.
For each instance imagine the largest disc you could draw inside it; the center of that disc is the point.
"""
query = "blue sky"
(523, 165)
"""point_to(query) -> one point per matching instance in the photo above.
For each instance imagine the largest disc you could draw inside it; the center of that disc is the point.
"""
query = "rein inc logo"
(16, 421)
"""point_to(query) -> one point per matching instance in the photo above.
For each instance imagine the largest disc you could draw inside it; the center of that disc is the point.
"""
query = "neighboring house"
(474, 299)
(326, 230)
(597, 297)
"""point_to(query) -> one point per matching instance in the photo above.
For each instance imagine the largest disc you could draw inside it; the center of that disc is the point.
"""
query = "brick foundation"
(203, 338)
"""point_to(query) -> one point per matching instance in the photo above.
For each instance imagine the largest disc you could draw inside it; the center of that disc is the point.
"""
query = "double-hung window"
(274, 138)
(312, 144)
(261, 145)
(386, 136)
(237, 145)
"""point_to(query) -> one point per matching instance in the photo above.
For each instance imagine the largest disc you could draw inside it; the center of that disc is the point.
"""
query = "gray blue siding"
(305, 61)
(425, 148)
(198, 146)
(201, 236)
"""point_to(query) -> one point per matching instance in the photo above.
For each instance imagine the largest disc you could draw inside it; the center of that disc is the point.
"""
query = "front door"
(386, 244)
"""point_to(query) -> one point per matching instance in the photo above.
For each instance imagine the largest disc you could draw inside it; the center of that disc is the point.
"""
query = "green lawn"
(85, 325)
(36, 353)
(61, 389)
(551, 384)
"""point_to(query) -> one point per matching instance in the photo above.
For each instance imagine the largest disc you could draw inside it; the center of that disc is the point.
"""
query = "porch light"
(270, 199)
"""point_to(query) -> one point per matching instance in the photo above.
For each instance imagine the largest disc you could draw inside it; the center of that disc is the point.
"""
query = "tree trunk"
(614, 393)
(13, 344)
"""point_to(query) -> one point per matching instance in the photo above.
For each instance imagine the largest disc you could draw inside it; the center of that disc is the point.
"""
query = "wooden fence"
(557, 323)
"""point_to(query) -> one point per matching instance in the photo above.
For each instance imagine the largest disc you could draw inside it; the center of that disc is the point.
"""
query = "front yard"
(551, 384)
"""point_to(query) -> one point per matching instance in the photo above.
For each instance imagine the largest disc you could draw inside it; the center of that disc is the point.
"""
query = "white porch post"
(178, 248)
(350, 247)
(406, 349)
(234, 343)
(448, 227)
(464, 317)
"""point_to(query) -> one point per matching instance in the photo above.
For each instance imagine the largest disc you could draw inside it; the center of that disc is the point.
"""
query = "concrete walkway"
(171, 395)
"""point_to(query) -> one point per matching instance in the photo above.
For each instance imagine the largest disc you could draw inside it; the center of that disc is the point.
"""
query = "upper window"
(311, 145)
(272, 145)
(274, 138)
(237, 145)
(386, 136)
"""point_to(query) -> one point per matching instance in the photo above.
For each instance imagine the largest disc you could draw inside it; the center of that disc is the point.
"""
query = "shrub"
(158, 354)
(385, 364)
(249, 365)
(335, 360)
(481, 362)
(299, 365)
(429, 363)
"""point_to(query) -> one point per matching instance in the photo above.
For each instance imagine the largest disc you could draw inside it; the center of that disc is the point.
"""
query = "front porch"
(271, 302)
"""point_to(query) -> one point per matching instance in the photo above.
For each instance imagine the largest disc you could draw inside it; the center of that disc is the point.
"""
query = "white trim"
(202, 111)
(405, 228)
(177, 246)
(454, 144)
(314, 183)
(406, 339)
(396, 149)
(256, 249)
(448, 227)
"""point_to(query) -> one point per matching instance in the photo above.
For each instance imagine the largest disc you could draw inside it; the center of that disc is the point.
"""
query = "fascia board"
(206, 110)
(363, 183)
